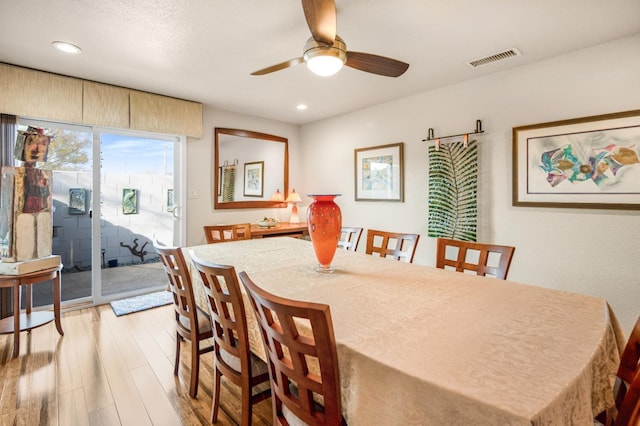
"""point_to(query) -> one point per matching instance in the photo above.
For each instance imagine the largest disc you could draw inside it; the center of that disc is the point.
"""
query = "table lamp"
(294, 198)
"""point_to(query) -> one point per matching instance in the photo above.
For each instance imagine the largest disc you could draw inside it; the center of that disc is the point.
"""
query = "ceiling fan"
(325, 52)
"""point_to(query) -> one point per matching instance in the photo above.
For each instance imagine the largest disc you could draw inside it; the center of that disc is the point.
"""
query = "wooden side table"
(28, 320)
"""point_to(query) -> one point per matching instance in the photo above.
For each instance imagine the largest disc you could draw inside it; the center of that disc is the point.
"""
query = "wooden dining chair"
(192, 323)
(222, 233)
(629, 410)
(349, 238)
(233, 359)
(303, 366)
(626, 389)
(393, 244)
(483, 259)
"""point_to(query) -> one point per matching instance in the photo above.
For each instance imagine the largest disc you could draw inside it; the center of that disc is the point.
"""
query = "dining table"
(419, 345)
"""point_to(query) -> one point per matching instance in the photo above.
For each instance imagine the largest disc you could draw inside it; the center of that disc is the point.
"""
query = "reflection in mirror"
(249, 168)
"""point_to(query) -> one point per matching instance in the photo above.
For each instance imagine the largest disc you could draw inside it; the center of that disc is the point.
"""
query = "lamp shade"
(277, 196)
(293, 197)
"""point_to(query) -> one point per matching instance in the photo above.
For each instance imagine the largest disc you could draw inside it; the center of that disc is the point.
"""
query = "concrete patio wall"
(72, 232)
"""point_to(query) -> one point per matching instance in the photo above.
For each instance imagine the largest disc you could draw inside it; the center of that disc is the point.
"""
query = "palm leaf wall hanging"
(228, 182)
(453, 184)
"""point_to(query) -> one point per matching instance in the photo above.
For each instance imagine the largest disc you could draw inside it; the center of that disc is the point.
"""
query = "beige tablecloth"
(424, 346)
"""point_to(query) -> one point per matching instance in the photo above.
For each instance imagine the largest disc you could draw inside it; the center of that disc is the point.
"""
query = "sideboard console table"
(282, 229)
(28, 320)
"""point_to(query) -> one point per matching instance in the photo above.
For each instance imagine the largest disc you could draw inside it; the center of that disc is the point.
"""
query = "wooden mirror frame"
(216, 181)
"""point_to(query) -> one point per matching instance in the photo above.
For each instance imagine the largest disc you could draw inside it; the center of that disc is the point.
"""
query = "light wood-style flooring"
(109, 370)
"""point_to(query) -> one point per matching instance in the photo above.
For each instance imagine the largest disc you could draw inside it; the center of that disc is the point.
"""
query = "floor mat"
(141, 303)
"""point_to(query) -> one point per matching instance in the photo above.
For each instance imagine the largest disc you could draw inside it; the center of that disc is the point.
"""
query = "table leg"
(56, 302)
(16, 319)
(29, 292)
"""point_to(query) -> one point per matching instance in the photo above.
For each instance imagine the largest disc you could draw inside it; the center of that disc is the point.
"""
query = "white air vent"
(494, 58)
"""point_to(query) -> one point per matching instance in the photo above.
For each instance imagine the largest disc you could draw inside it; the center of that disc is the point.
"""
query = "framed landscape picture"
(254, 179)
(379, 173)
(590, 162)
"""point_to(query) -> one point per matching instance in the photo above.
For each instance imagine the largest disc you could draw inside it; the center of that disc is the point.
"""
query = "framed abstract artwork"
(77, 201)
(590, 162)
(129, 201)
(253, 179)
(379, 173)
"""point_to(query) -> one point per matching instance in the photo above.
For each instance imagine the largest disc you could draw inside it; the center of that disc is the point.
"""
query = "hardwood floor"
(109, 370)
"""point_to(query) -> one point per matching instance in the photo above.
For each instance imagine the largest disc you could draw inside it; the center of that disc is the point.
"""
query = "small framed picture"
(77, 201)
(129, 201)
(379, 173)
(253, 179)
(170, 204)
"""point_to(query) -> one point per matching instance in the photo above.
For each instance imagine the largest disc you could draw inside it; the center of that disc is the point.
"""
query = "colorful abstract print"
(602, 166)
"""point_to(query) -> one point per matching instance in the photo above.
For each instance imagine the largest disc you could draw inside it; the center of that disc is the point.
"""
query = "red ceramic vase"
(325, 222)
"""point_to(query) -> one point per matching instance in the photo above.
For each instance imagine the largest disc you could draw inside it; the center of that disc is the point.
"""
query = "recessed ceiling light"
(66, 47)
(301, 107)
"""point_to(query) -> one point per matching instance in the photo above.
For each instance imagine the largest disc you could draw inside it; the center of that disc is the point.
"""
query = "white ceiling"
(204, 50)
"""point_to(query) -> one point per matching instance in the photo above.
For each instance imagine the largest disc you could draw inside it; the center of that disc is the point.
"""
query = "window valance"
(38, 94)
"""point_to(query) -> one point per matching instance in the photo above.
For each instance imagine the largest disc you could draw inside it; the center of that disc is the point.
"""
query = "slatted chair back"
(396, 245)
(349, 238)
(303, 367)
(233, 358)
(222, 233)
(192, 323)
(483, 259)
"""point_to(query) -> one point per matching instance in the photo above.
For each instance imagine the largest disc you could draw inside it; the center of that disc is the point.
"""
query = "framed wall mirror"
(236, 177)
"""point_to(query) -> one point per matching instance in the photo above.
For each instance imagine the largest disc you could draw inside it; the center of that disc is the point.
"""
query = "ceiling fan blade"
(278, 67)
(376, 64)
(321, 19)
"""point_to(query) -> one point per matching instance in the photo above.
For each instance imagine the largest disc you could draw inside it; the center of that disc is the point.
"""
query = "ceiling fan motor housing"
(338, 49)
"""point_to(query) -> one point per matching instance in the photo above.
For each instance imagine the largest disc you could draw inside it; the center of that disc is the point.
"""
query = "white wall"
(200, 154)
(593, 252)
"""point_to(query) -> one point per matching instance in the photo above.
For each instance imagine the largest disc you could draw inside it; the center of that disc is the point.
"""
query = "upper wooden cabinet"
(38, 94)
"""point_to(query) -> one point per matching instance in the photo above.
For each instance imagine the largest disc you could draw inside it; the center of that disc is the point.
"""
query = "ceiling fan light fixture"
(324, 60)
(324, 65)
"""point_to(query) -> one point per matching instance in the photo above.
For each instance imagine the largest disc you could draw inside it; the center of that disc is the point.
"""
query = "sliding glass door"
(137, 204)
(113, 193)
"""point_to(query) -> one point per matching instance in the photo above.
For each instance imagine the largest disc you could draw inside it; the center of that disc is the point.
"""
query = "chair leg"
(195, 368)
(177, 361)
(246, 403)
(216, 397)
